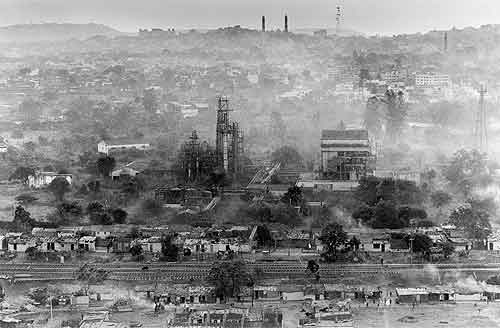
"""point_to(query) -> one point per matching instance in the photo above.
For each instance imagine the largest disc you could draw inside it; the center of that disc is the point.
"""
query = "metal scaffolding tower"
(192, 157)
(481, 127)
(229, 140)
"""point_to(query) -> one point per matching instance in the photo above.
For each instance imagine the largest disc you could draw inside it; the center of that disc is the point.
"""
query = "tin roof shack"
(266, 293)
(459, 240)
(43, 179)
(101, 324)
(335, 319)
(22, 243)
(291, 293)
(399, 245)
(121, 244)
(314, 292)
(341, 291)
(379, 242)
(87, 243)
(179, 293)
(412, 295)
(492, 293)
(494, 242)
(296, 239)
(441, 294)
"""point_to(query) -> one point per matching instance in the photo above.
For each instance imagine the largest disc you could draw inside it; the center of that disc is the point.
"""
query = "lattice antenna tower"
(481, 124)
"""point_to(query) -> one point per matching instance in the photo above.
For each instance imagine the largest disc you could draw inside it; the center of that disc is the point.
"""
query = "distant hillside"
(53, 32)
(331, 31)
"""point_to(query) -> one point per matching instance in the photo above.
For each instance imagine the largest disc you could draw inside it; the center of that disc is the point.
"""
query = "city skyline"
(365, 16)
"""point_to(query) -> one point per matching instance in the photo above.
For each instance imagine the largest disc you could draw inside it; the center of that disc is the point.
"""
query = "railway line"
(194, 271)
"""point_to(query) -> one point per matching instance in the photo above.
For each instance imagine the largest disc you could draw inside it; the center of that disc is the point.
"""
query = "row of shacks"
(228, 318)
(193, 294)
(448, 294)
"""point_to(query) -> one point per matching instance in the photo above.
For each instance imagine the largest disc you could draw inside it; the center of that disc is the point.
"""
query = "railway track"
(199, 270)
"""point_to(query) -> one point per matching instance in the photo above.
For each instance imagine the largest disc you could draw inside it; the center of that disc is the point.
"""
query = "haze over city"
(365, 16)
(249, 163)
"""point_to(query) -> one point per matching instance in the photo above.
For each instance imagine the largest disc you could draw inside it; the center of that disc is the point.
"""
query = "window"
(377, 246)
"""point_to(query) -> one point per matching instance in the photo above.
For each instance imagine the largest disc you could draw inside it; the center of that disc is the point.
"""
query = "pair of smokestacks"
(264, 23)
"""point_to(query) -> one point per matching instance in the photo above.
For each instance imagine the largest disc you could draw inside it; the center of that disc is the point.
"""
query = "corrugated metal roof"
(344, 134)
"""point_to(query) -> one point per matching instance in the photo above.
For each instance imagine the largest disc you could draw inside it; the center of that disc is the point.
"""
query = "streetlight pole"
(411, 248)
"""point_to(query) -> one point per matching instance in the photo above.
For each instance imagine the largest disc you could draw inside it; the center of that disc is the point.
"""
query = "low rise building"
(105, 147)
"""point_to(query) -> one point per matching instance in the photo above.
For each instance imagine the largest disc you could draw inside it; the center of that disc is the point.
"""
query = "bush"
(152, 207)
(26, 198)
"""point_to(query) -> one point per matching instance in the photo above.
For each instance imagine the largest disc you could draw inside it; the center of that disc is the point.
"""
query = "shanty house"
(87, 243)
(494, 242)
(22, 243)
(441, 294)
(66, 244)
(130, 170)
(43, 179)
(412, 295)
(379, 242)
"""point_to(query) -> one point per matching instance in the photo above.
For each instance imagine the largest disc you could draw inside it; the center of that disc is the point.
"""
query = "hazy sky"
(368, 16)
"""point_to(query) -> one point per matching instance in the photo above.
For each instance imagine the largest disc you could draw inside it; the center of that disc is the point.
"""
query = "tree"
(407, 213)
(287, 156)
(396, 113)
(169, 250)
(59, 186)
(421, 243)
(149, 101)
(71, 208)
(467, 170)
(152, 207)
(386, 216)
(228, 278)
(440, 199)
(293, 196)
(119, 216)
(29, 146)
(332, 236)
(366, 191)
(22, 173)
(22, 219)
(30, 109)
(105, 165)
(473, 217)
(101, 218)
(363, 214)
(136, 250)
(26, 198)
(94, 186)
(32, 253)
(448, 249)
(263, 236)
(39, 295)
(426, 224)
(95, 207)
(312, 266)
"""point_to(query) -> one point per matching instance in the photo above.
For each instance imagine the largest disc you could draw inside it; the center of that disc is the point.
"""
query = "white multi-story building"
(105, 147)
(432, 80)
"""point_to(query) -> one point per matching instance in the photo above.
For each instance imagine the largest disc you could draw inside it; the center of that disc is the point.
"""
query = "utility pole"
(338, 17)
